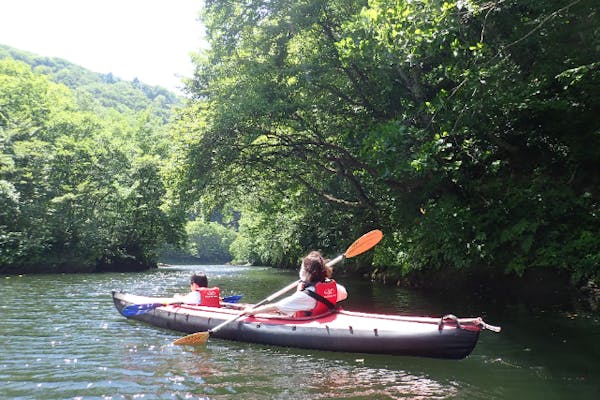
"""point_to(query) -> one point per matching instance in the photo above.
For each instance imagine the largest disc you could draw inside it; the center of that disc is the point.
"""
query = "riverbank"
(78, 266)
(534, 286)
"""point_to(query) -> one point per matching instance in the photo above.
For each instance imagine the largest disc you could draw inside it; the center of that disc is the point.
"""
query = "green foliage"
(75, 191)
(466, 130)
(268, 237)
(209, 241)
(96, 92)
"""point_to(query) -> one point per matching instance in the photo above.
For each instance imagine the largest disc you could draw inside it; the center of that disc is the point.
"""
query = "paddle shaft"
(360, 245)
(273, 296)
(335, 260)
(268, 299)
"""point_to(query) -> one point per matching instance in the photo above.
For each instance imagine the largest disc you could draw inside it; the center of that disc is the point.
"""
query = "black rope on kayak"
(449, 317)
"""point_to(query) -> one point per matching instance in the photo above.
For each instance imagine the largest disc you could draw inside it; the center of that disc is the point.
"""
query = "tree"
(417, 117)
(209, 241)
(76, 192)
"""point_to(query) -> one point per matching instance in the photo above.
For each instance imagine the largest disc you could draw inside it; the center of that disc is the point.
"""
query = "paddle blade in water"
(364, 243)
(195, 339)
(137, 309)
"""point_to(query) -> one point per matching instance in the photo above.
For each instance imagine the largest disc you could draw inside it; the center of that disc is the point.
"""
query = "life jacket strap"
(320, 298)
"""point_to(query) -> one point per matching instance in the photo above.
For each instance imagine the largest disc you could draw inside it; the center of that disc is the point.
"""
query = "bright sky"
(148, 39)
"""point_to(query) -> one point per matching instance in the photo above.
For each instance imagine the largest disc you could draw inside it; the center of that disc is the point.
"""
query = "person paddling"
(316, 294)
(200, 292)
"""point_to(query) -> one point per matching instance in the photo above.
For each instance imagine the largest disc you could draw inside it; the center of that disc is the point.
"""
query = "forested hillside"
(94, 89)
(82, 159)
(467, 131)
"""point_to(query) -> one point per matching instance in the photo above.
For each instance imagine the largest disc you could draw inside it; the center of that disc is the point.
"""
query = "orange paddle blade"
(195, 339)
(364, 243)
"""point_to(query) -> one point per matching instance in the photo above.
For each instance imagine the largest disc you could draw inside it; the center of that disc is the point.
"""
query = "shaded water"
(62, 338)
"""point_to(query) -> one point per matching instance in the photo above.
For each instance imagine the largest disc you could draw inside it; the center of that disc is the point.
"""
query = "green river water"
(62, 338)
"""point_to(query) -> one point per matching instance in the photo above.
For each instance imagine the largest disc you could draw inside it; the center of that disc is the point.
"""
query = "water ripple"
(61, 338)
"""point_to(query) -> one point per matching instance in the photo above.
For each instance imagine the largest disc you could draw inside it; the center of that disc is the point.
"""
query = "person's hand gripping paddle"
(362, 244)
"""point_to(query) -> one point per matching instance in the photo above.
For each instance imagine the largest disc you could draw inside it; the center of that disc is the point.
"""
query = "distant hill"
(99, 90)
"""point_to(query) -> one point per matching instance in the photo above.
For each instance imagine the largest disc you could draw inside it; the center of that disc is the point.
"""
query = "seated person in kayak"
(200, 292)
(316, 293)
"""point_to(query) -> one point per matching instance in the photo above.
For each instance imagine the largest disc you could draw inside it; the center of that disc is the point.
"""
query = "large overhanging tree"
(465, 118)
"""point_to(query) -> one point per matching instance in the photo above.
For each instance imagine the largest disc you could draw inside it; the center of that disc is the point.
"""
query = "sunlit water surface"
(62, 338)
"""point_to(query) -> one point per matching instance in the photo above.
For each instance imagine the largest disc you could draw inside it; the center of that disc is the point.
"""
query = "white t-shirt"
(192, 297)
(300, 301)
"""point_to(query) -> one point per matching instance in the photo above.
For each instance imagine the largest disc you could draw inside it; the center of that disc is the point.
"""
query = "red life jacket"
(210, 297)
(325, 290)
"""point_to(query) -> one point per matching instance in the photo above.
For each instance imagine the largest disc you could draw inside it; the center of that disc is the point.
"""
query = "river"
(62, 338)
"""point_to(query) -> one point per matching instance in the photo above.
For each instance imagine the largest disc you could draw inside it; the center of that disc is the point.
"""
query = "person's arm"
(299, 301)
(262, 309)
(190, 298)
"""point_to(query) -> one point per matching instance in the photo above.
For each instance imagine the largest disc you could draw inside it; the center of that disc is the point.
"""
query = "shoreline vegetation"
(307, 124)
(537, 286)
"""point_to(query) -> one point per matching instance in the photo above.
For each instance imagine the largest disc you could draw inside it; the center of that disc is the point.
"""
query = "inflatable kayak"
(344, 331)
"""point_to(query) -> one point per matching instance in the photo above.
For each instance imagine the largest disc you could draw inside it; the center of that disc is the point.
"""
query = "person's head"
(313, 268)
(199, 279)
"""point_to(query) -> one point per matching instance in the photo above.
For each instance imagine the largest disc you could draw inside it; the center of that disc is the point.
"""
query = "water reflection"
(255, 372)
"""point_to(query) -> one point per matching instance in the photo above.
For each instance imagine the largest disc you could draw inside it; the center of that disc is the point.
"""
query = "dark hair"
(199, 279)
(314, 265)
